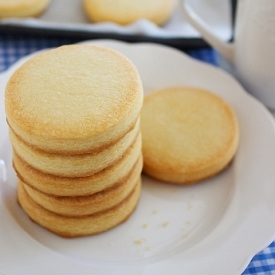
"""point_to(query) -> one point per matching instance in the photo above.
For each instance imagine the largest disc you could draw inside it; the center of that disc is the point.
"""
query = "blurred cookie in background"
(125, 12)
(22, 8)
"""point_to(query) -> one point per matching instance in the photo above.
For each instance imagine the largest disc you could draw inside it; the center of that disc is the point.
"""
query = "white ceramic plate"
(214, 227)
(68, 15)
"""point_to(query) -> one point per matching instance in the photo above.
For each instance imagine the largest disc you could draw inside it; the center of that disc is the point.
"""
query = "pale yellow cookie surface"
(79, 226)
(126, 12)
(87, 205)
(78, 165)
(188, 134)
(22, 8)
(74, 99)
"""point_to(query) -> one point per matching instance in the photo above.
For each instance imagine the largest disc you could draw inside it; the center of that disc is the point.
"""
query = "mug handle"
(224, 48)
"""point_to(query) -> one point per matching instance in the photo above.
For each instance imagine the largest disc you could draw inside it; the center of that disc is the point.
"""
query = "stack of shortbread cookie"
(73, 115)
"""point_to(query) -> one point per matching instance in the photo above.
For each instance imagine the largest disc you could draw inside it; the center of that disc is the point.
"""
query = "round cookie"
(78, 165)
(125, 12)
(22, 8)
(69, 227)
(74, 99)
(80, 186)
(188, 134)
(88, 205)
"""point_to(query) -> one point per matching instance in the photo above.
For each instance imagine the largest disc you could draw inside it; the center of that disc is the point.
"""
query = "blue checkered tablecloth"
(13, 47)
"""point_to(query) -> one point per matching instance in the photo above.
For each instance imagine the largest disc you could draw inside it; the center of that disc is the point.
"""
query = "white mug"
(252, 53)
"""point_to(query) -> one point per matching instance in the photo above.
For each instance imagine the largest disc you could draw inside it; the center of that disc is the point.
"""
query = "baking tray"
(66, 18)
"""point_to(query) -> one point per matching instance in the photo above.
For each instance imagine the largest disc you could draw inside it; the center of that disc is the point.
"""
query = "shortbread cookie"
(78, 165)
(188, 134)
(74, 99)
(79, 226)
(80, 186)
(88, 205)
(126, 12)
(22, 8)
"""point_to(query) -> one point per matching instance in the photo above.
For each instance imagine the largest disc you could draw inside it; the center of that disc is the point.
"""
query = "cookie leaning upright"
(73, 115)
(22, 8)
(188, 134)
